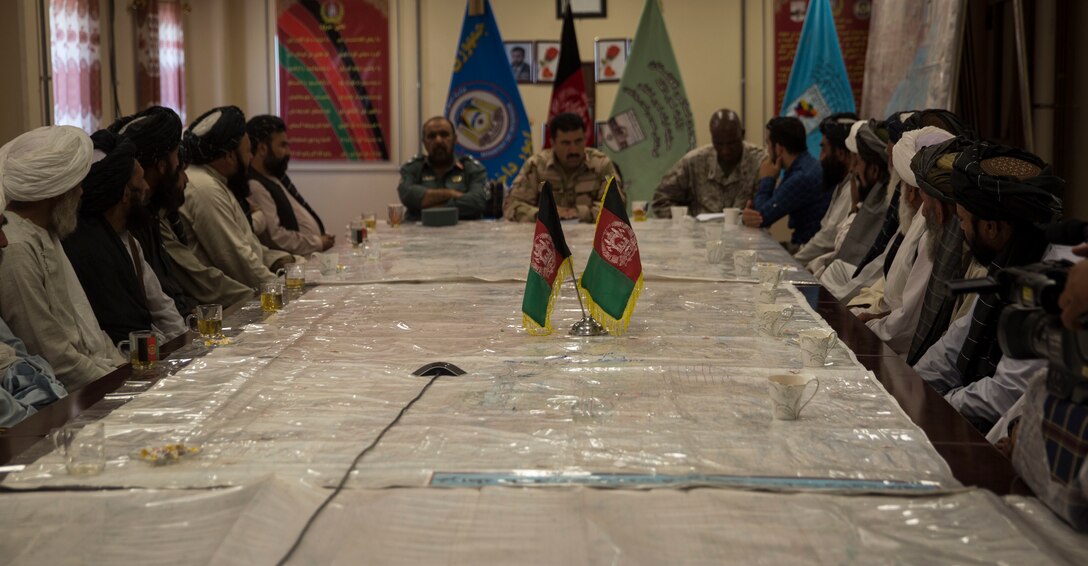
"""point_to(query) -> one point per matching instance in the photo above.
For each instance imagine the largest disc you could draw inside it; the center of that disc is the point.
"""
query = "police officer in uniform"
(440, 178)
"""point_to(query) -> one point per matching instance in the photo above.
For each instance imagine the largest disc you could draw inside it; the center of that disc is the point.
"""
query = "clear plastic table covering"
(499, 251)
(1040, 524)
(256, 524)
(684, 392)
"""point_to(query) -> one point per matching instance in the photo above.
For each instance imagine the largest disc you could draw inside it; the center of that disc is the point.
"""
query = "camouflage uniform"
(698, 182)
(582, 189)
(467, 175)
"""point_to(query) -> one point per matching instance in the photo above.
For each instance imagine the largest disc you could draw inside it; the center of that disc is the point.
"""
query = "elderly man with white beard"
(40, 297)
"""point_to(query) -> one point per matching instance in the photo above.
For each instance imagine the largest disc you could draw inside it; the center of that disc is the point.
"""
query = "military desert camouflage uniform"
(698, 182)
(582, 189)
(467, 175)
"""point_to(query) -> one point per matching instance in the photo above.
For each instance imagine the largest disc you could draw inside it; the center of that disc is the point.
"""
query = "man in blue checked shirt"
(800, 194)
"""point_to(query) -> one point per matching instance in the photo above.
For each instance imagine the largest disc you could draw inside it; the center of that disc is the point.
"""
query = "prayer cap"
(214, 134)
(932, 167)
(111, 170)
(155, 132)
(997, 182)
(942, 119)
(836, 127)
(895, 125)
(44, 163)
(911, 143)
(869, 145)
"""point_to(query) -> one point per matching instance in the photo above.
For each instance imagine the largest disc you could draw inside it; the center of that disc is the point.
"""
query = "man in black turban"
(216, 223)
(1002, 196)
(156, 134)
(121, 287)
(836, 162)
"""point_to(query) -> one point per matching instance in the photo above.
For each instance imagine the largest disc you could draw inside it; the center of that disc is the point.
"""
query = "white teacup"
(679, 213)
(765, 294)
(816, 343)
(772, 319)
(769, 273)
(329, 262)
(730, 218)
(786, 393)
(715, 251)
(743, 261)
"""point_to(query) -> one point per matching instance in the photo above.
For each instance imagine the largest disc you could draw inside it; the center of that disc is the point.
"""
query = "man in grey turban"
(215, 212)
(40, 296)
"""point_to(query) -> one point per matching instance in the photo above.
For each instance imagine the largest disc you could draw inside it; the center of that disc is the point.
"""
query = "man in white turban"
(40, 296)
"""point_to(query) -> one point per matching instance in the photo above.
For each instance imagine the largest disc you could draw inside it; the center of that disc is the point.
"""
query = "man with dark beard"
(1002, 195)
(120, 285)
(441, 178)
(216, 224)
(836, 160)
(282, 219)
(40, 297)
(156, 133)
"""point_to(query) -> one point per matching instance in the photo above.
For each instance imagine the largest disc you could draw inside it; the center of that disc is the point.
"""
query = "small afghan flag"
(549, 264)
(612, 280)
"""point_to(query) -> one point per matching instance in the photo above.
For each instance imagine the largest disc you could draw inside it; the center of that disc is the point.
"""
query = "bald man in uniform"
(722, 174)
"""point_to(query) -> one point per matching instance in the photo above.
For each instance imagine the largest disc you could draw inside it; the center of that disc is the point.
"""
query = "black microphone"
(1067, 232)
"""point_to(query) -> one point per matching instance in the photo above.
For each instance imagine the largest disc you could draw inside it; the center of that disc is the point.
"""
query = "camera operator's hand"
(1074, 299)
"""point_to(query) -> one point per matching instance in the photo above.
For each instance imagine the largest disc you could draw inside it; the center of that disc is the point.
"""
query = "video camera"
(1030, 326)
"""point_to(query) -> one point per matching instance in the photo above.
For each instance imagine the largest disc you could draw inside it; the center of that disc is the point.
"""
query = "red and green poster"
(333, 72)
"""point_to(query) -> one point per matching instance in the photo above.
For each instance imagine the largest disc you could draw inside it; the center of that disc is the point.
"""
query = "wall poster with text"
(334, 78)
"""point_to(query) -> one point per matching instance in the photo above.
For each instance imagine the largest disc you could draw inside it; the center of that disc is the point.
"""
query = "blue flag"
(484, 104)
(818, 84)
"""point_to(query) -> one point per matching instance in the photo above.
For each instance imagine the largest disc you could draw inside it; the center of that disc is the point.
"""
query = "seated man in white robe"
(216, 224)
(836, 161)
(40, 297)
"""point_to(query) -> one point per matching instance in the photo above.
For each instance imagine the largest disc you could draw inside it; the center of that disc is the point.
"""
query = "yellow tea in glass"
(295, 277)
(209, 322)
(272, 296)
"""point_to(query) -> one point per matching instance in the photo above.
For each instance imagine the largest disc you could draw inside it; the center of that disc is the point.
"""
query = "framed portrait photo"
(520, 55)
(545, 61)
(582, 8)
(610, 60)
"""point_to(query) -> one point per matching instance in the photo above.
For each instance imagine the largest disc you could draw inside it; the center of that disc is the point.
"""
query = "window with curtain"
(160, 55)
(76, 55)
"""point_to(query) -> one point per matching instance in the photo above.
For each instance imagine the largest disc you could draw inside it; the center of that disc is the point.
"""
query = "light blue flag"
(484, 103)
(818, 84)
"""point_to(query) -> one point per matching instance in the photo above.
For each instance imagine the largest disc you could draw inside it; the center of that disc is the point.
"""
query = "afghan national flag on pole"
(651, 125)
(569, 89)
(612, 280)
(484, 103)
(549, 265)
(818, 84)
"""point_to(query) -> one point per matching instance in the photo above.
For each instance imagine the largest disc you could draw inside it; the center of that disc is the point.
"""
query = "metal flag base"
(588, 327)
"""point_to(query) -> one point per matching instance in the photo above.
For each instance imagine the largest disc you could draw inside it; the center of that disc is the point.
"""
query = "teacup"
(82, 447)
(271, 295)
(769, 273)
(715, 251)
(772, 319)
(679, 213)
(743, 261)
(765, 294)
(786, 393)
(209, 322)
(730, 218)
(142, 349)
(638, 210)
(816, 343)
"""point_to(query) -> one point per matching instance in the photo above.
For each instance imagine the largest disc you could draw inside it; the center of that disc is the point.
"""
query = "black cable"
(347, 474)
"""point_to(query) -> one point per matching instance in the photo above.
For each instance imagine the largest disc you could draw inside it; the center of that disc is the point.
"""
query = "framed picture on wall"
(546, 61)
(610, 60)
(520, 55)
(582, 8)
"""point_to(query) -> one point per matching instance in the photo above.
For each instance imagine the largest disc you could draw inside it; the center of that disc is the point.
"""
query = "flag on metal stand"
(818, 84)
(484, 103)
(612, 280)
(651, 126)
(549, 264)
(569, 89)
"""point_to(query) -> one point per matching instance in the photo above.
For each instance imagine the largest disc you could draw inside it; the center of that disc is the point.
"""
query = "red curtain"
(77, 63)
(160, 56)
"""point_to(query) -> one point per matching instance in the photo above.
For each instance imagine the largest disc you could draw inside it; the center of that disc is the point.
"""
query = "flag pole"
(587, 326)
(576, 293)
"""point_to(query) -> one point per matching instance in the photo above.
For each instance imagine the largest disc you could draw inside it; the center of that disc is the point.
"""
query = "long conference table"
(657, 446)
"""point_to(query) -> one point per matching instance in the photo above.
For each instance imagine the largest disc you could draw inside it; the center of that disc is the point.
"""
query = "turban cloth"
(836, 128)
(942, 119)
(155, 133)
(870, 147)
(44, 163)
(911, 143)
(214, 134)
(262, 127)
(105, 185)
(997, 182)
(895, 125)
(932, 167)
